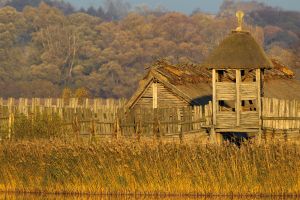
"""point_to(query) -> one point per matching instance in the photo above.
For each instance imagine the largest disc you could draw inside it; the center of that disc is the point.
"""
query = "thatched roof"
(288, 89)
(238, 51)
(192, 83)
(187, 81)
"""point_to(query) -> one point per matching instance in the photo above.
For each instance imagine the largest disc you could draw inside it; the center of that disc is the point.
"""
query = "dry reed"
(123, 167)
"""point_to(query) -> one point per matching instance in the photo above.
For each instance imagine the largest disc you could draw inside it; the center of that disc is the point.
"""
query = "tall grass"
(123, 197)
(55, 166)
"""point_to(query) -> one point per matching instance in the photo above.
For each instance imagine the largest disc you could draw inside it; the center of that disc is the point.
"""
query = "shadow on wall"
(204, 100)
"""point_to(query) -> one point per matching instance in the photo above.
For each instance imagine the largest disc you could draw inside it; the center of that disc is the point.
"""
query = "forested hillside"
(47, 46)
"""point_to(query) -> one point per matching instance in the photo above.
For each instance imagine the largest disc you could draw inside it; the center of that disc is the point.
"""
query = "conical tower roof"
(238, 51)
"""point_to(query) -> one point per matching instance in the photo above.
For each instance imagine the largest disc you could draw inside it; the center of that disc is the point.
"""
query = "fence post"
(156, 131)
(93, 130)
(181, 135)
(11, 120)
(117, 133)
(76, 127)
(138, 130)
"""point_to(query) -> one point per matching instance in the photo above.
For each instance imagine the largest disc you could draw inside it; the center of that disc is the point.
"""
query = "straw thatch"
(238, 51)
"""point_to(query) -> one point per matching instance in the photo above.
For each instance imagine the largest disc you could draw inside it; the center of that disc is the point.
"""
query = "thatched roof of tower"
(238, 51)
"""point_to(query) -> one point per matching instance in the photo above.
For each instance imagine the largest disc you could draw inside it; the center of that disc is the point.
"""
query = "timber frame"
(237, 118)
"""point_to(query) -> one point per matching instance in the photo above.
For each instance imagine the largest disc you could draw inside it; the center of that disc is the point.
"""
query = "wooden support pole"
(156, 131)
(138, 130)
(93, 130)
(213, 134)
(11, 121)
(214, 115)
(259, 104)
(238, 98)
(154, 87)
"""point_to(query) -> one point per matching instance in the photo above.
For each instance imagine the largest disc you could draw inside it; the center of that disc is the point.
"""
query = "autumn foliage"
(44, 50)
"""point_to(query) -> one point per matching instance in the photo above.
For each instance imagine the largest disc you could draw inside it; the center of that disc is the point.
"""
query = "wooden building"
(167, 85)
(236, 92)
(238, 66)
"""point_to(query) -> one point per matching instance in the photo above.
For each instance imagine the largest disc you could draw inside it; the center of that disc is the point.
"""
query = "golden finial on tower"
(240, 15)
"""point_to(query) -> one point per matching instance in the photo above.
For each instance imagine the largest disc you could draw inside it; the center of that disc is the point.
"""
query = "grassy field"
(74, 167)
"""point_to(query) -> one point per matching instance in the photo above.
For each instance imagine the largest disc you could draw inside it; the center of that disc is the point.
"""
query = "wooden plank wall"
(165, 98)
(225, 91)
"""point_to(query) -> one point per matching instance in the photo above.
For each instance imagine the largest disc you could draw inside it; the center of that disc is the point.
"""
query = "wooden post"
(156, 131)
(213, 134)
(26, 109)
(11, 121)
(154, 87)
(238, 98)
(259, 105)
(214, 115)
(117, 132)
(138, 130)
(179, 119)
(93, 130)
(76, 127)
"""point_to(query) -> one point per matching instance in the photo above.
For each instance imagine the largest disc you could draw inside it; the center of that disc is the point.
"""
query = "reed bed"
(153, 168)
(127, 197)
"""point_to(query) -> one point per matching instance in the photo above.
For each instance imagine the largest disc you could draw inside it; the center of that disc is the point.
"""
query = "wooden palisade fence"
(110, 118)
(281, 118)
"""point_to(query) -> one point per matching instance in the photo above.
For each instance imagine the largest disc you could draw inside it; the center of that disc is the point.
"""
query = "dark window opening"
(249, 105)
(248, 75)
(226, 106)
(226, 76)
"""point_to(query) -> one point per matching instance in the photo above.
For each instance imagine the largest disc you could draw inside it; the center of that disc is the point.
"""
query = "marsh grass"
(124, 197)
(121, 167)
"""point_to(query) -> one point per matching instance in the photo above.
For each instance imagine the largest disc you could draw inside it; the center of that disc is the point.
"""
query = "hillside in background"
(47, 46)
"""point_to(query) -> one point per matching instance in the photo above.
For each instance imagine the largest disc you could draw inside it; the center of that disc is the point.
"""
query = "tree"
(44, 50)
(116, 9)
(60, 48)
(67, 93)
(81, 93)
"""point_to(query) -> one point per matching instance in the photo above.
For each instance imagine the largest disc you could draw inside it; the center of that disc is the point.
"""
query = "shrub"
(41, 125)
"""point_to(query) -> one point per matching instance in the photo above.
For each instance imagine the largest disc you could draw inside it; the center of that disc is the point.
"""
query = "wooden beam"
(237, 130)
(280, 118)
(154, 87)
(238, 97)
(214, 78)
(259, 104)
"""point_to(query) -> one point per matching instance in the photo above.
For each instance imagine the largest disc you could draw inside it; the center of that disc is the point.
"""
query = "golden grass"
(124, 197)
(44, 166)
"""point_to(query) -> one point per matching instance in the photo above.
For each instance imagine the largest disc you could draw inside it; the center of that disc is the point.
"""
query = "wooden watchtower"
(237, 66)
